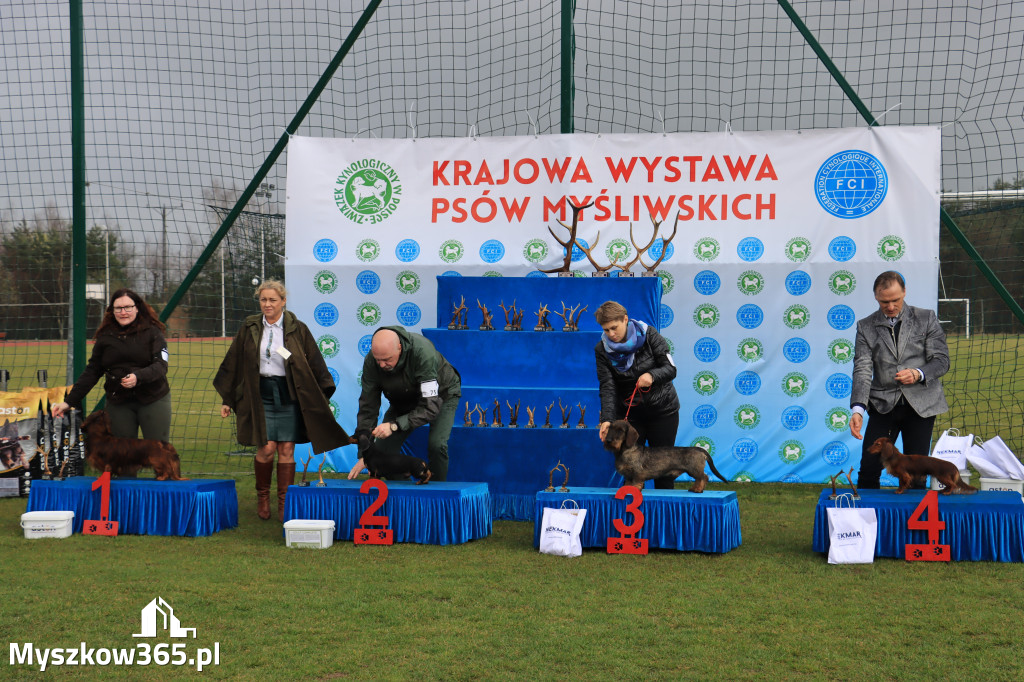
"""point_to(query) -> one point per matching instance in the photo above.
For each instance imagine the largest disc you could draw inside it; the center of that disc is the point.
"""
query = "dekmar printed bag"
(560, 530)
(851, 532)
(953, 447)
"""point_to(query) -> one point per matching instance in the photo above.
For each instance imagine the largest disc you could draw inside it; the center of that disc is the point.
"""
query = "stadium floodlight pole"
(76, 331)
(271, 159)
(944, 217)
(568, 52)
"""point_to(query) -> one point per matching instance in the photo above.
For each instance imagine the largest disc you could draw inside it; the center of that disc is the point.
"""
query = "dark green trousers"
(154, 419)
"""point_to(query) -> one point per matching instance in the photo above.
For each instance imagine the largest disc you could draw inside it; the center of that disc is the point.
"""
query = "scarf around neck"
(621, 354)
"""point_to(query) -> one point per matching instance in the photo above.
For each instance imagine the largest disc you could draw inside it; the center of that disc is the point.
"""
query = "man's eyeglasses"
(123, 308)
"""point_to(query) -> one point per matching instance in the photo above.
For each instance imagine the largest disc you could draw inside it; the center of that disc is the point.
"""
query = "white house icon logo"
(158, 608)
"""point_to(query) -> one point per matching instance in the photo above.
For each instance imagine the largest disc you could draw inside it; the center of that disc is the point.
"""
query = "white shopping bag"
(851, 532)
(996, 451)
(560, 530)
(982, 461)
(953, 447)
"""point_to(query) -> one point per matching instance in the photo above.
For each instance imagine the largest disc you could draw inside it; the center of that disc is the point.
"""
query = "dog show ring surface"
(438, 513)
(673, 519)
(984, 526)
(144, 506)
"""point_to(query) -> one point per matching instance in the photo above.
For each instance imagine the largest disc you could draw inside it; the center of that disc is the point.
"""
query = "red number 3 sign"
(628, 543)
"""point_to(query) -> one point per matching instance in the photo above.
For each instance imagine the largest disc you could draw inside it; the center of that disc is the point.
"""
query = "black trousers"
(655, 432)
(917, 438)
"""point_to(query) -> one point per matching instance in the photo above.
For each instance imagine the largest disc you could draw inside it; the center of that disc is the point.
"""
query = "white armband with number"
(429, 389)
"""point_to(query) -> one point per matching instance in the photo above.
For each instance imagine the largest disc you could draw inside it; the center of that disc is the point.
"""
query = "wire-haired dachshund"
(907, 467)
(390, 465)
(638, 464)
(120, 456)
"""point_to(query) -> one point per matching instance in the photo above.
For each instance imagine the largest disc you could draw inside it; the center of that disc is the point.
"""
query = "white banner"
(777, 239)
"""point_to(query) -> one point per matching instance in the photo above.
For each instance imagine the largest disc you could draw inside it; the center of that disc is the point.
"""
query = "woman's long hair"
(145, 316)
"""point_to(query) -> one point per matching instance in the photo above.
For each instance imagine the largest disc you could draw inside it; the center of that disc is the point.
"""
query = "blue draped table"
(438, 513)
(144, 506)
(673, 519)
(984, 526)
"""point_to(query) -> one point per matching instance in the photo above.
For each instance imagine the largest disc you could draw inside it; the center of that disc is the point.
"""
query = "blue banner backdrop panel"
(986, 526)
(537, 370)
(144, 507)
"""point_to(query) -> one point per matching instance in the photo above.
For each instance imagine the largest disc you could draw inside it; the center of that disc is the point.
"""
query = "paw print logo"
(93, 527)
(364, 536)
(636, 544)
(618, 546)
(381, 534)
(937, 551)
(918, 554)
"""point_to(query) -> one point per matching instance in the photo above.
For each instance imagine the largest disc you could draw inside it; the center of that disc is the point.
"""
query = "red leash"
(629, 404)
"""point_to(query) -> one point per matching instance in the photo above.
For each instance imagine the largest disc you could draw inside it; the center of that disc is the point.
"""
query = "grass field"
(496, 609)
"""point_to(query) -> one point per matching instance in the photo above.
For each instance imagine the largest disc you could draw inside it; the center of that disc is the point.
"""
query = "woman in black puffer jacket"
(131, 352)
(630, 354)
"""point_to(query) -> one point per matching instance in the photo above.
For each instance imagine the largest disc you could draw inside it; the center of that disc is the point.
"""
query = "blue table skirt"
(984, 526)
(144, 506)
(438, 513)
(673, 519)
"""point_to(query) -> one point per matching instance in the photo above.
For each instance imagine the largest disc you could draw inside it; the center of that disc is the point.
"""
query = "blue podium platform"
(144, 506)
(438, 513)
(984, 526)
(673, 519)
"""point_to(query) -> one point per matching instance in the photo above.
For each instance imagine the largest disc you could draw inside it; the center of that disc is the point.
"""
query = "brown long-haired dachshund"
(106, 452)
(906, 467)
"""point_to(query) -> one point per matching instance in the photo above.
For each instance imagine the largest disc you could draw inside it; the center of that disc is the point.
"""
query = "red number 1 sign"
(374, 536)
(104, 526)
(932, 551)
(628, 543)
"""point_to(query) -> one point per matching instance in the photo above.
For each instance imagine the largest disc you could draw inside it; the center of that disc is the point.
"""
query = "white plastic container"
(309, 533)
(1003, 484)
(47, 524)
(965, 476)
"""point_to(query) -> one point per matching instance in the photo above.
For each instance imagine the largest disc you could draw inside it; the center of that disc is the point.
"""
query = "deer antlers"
(664, 246)
(571, 241)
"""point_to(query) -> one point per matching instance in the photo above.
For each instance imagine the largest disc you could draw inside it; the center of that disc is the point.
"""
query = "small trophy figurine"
(565, 414)
(497, 413)
(517, 319)
(577, 316)
(487, 324)
(482, 411)
(305, 468)
(530, 424)
(509, 322)
(547, 419)
(513, 414)
(467, 418)
(320, 471)
(583, 413)
(542, 319)
(457, 312)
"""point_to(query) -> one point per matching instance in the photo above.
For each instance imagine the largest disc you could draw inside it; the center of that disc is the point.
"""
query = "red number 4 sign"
(932, 551)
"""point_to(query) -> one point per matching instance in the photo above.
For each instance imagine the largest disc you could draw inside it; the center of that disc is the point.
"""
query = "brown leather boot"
(264, 472)
(285, 477)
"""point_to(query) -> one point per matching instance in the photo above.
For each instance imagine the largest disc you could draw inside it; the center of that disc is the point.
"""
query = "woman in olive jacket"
(635, 373)
(131, 352)
(277, 383)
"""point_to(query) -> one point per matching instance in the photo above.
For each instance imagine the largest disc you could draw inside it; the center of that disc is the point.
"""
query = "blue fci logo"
(796, 350)
(798, 282)
(749, 316)
(368, 282)
(335, 377)
(839, 385)
(851, 184)
(364, 344)
(408, 314)
(325, 250)
(794, 418)
(747, 383)
(744, 449)
(665, 316)
(407, 250)
(707, 349)
(492, 251)
(835, 453)
(325, 314)
(707, 282)
(704, 416)
(750, 249)
(841, 317)
(842, 249)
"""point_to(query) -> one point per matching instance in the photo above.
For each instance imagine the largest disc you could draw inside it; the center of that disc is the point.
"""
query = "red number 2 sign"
(628, 543)
(364, 535)
(104, 526)
(932, 551)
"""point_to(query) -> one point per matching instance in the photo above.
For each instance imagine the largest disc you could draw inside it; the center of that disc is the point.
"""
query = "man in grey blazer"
(899, 358)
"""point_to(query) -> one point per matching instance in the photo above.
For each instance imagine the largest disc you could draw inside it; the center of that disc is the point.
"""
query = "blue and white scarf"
(621, 354)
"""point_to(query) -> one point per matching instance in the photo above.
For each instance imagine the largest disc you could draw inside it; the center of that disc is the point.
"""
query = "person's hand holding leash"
(645, 380)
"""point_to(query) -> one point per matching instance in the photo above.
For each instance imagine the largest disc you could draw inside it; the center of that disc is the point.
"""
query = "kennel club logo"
(368, 191)
(451, 251)
(535, 250)
(796, 316)
(750, 282)
(891, 248)
(707, 249)
(618, 250)
(842, 282)
(325, 282)
(368, 250)
(798, 249)
(792, 451)
(706, 382)
(851, 184)
(840, 351)
(368, 314)
(408, 282)
(747, 416)
(706, 315)
(794, 384)
(837, 419)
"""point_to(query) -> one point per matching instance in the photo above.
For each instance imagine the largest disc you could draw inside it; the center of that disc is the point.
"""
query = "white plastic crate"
(47, 524)
(309, 533)
(1003, 484)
